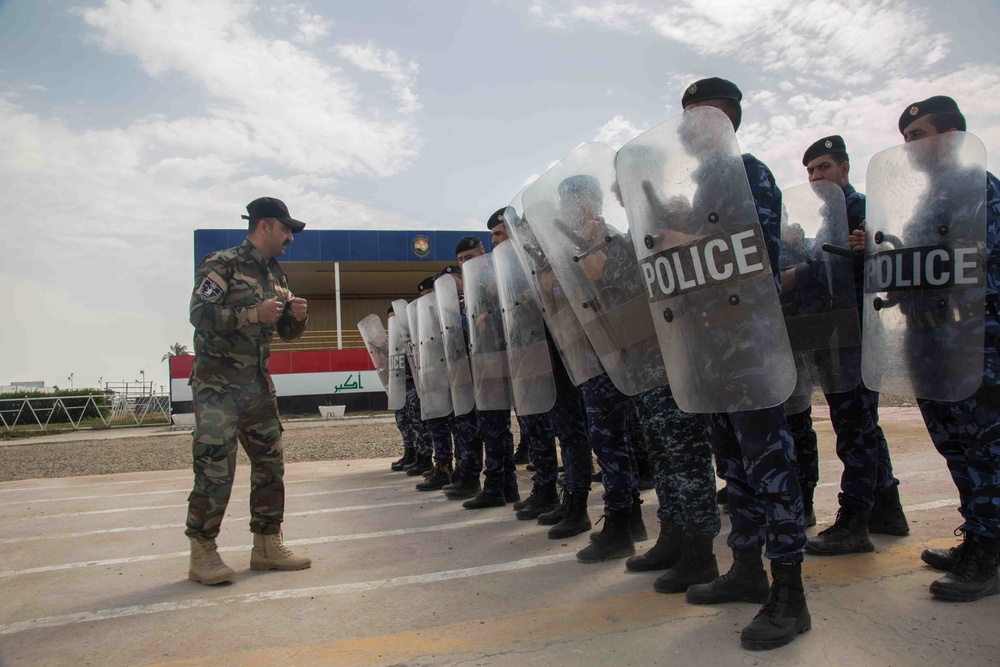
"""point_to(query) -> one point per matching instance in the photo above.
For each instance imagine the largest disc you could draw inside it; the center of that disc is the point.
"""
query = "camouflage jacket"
(231, 345)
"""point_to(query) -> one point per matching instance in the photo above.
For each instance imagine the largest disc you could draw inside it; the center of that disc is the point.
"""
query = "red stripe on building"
(281, 363)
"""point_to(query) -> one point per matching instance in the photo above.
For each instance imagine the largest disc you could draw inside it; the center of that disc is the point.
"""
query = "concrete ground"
(94, 572)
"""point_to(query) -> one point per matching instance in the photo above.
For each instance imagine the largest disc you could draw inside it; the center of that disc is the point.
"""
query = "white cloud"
(278, 101)
(617, 132)
(403, 75)
(851, 41)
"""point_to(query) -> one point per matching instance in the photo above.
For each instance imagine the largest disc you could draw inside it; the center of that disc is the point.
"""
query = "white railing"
(110, 408)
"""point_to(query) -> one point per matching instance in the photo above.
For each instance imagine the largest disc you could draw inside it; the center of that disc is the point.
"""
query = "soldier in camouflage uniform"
(964, 432)
(755, 454)
(241, 298)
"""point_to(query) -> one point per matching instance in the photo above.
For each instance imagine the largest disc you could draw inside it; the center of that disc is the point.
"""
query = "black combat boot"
(635, 523)
(543, 498)
(784, 616)
(421, 464)
(556, 515)
(615, 541)
(511, 494)
(943, 559)
(484, 500)
(847, 535)
(975, 574)
(746, 581)
(887, 516)
(409, 456)
(575, 520)
(664, 553)
(808, 509)
(439, 477)
(521, 454)
(465, 485)
(697, 565)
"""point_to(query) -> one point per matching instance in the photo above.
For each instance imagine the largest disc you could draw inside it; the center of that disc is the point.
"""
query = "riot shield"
(532, 383)
(396, 390)
(571, 340)
(583, 232)
(925, 268)
(411, 334)
(705, 265)
(435, 396)
(377, 344)
(487, 346)
(817, 287)
(463, 396)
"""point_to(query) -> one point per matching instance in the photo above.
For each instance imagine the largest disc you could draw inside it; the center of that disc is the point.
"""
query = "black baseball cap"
(269, 207)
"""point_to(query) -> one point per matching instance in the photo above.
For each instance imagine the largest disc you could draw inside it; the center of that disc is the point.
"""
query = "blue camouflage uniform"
(861, 444)
(755, 451)
(681, 454)
(967, 432)
(493, 426)
(536, 431)
(568, 420)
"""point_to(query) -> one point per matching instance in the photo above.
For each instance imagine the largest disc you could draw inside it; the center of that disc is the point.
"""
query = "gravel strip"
(302, 441)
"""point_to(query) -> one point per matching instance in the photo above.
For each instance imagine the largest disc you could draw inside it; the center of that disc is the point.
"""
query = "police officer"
(240, 299)
(424, 460)
(964, 432)
(534, 429)
(439, 430)
(403, 424)
(755, 454)
(568, 422)
(861, 444)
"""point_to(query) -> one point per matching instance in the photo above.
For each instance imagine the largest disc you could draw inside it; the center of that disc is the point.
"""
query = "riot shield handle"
(839, 250)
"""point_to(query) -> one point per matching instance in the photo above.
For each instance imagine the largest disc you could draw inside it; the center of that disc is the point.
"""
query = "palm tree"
(176, 350)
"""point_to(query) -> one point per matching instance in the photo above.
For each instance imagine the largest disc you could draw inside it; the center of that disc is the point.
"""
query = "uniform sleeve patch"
(209, 290)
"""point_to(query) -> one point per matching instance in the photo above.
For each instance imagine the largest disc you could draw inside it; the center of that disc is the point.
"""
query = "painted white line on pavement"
(919, 507)
(287, 594)
(80, 486)
(306, 541)
(186, 491)
(106, 531)
(166, 507)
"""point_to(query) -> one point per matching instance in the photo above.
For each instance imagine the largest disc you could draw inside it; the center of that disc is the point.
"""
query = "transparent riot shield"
(396, 390)
(925, 268)
(705, 266)
(818, 287)
(407, 332)
(487, 345)
(435, 396)
(411, 334)
(377, 344)
(532, 383)
(583, 231)
(571, 340)
(463, 396)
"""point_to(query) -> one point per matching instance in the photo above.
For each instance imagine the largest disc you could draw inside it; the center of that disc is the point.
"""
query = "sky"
(125, 125)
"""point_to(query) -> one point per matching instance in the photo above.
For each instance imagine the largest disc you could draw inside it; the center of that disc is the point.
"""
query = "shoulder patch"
(209, 290)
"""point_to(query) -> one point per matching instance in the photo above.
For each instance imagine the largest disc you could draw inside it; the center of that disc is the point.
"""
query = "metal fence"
(111, 408)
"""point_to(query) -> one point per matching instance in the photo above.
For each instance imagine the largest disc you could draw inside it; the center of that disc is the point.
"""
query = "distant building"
(33, 385)
(345, 275)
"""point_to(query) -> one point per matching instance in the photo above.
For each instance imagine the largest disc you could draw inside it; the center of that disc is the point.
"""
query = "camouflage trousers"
(468, 445)
(420, 438)
(681, 455)
(756, 456)
(499, 473)
(568, 420)
(537, 433)
(806, 448)
(967, 434)
(861, 446)
(224, 415)
(439, 431)
(607, 421)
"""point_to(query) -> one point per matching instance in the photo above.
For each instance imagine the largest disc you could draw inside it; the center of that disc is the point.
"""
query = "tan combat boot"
(269, 553)
(206, 564)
